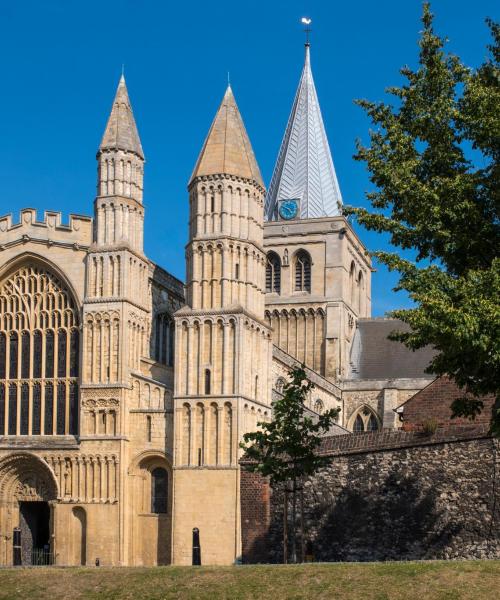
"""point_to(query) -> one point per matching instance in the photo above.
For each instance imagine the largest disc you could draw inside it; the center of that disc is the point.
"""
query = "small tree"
(285, 449)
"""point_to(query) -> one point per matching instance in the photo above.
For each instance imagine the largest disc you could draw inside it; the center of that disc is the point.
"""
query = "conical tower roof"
(227, 149)
(304, 169)
(121, 131)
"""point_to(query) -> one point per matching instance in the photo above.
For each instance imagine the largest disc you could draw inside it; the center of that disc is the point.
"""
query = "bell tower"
(223, 347)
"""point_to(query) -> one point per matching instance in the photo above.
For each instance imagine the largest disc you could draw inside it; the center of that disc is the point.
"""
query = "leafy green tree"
(285, 448)
(434, 161)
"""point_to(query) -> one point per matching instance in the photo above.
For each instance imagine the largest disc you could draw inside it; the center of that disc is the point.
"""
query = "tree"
(434, 160)
(285, 449)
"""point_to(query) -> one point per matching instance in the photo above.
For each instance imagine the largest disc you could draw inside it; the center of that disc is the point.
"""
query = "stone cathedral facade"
(124, 392)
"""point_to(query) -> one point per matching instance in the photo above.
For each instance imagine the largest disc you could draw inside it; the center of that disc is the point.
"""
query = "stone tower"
(318, 274)
(116, 309)
(223, 347)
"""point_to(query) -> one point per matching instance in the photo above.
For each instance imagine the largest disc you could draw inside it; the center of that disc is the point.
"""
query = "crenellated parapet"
(49, 231)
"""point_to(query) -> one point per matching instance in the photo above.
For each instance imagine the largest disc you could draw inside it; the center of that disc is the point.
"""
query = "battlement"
(51, 229)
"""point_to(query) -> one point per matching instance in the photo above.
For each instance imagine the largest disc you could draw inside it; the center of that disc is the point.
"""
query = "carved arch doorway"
(28, 494)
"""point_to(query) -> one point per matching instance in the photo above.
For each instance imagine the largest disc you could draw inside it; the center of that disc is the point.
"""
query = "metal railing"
(41, 557)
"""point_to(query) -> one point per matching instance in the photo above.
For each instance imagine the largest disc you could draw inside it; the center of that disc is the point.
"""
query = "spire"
(227, 149)
(304, 169)
(121, 130)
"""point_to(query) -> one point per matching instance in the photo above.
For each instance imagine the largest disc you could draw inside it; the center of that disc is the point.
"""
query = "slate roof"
(227, 149)
(374, 356)
(121, 131)
(304, 169)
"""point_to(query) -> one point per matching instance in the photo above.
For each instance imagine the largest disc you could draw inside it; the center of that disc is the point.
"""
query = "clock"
(288, 209)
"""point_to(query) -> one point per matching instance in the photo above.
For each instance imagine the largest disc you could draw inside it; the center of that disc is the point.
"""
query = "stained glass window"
(3, 354)
(73, 361)
(303, 272)
(273, 273)
(73, 408)
(358, 424)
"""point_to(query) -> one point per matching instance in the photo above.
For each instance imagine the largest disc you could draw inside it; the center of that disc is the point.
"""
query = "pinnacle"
(121, 131)
(227, 149)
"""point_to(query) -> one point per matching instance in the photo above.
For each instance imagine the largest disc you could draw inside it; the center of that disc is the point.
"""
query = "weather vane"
(307, 27)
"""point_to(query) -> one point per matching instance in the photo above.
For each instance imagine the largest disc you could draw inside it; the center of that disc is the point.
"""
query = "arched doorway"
(28, 491)
(152, 510)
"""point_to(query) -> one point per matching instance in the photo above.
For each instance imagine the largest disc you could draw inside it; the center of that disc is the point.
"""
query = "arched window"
(358, 424)
(159, 490)
(207, 382)
(352, 287)
(365, 420)
(164, 339)
(39, 325)
(280, 384)
(319, 407)
(273, 273)
(302, 272)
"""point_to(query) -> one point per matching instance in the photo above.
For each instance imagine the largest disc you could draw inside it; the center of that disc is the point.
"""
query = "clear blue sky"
(61, 61)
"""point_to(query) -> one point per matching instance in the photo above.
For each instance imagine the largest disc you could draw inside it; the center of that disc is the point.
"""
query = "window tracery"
(365, 420)
(39, 353)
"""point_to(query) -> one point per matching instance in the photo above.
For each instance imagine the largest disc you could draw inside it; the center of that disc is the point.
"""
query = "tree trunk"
(294, 513)
(285, 526)
(302, 538)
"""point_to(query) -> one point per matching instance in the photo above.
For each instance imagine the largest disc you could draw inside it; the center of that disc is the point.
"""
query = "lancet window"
(302, 272)
(365, 420)
(159, 490)
(273, 273)
(164, 339)
(39, 355)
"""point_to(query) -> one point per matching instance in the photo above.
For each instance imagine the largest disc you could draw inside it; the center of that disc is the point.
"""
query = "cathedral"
(124, 392)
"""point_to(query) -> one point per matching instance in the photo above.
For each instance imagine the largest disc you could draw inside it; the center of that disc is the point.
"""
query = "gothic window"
(159, 490)
(280, 384)
(12, 409)
(74, 350)
(164, 339)
(372, 424)
(49, 353)
(39, 333)
(2, 409)
(365, 420)
(73, 408)
(61, 407)
(37, 354)
(25, 407)
(13, 355)
(302, 272)
(36, 407)
(49, 409)
(273, 273)
(61, 353)
(358, 424)
(319, 406)
(25, 355)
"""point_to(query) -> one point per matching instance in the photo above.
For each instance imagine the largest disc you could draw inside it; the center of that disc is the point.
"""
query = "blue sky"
(61, 61)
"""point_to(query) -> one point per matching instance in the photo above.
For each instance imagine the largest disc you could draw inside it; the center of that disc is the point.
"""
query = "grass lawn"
(467, 580)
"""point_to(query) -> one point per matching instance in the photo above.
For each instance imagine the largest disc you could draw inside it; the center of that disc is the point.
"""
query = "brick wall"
(388, 496)
(434, 403)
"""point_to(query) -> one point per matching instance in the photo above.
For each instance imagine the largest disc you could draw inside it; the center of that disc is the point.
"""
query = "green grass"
(438, 580)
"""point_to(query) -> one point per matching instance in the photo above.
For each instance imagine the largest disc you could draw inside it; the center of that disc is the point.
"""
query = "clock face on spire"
(288, 209)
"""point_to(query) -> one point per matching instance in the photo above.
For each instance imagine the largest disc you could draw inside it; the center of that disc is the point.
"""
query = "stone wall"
(389, 495)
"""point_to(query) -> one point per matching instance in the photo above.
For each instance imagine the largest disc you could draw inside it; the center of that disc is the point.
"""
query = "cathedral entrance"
(28, 495)
(34, 522)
